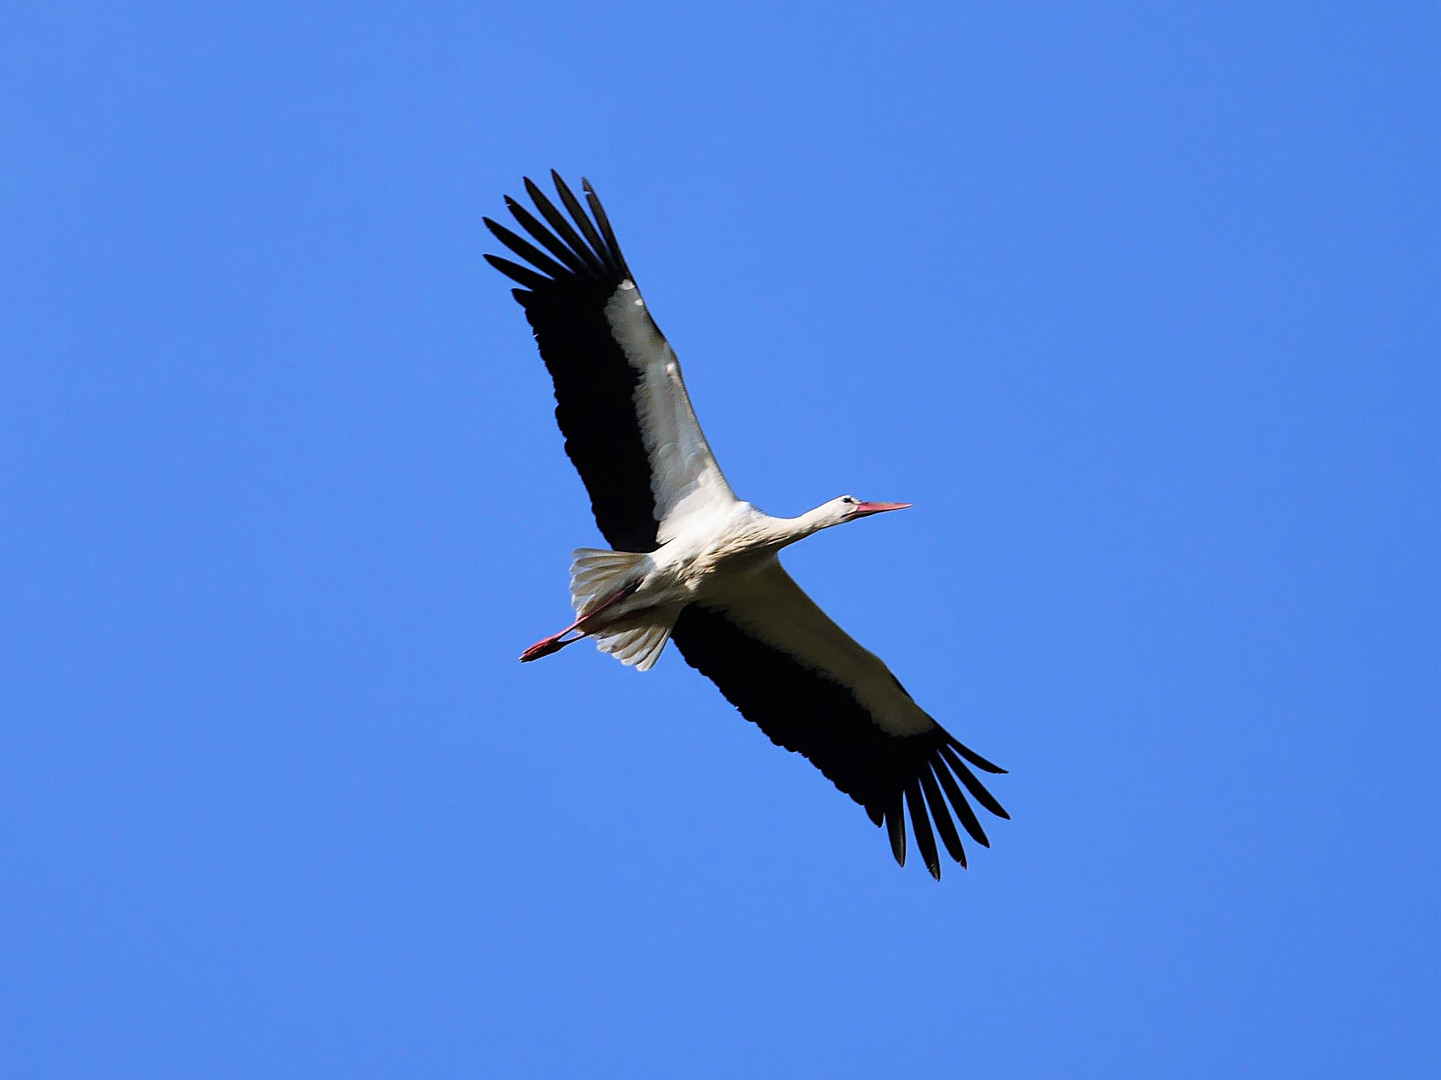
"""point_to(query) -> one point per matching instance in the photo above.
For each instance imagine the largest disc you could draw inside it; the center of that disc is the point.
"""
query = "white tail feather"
(595, 576)
(641, 646)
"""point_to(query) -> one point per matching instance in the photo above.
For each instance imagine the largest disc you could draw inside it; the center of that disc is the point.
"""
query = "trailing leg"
(557, 641)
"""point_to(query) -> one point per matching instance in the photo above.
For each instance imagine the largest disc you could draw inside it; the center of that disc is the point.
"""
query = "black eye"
(849, 499)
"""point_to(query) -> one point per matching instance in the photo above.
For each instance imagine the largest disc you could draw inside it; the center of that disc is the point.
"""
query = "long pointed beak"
(866, 509)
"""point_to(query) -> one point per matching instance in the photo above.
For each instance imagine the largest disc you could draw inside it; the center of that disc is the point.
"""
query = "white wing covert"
(684, 478)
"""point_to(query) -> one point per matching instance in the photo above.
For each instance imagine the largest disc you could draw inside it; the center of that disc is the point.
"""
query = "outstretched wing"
(813, 689)
(620, 401)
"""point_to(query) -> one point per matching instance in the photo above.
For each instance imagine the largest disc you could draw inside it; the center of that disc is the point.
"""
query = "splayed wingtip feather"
(921, 826)
(944, 825)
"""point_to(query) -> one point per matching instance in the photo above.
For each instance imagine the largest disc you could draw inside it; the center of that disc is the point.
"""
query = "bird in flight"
(690, 562)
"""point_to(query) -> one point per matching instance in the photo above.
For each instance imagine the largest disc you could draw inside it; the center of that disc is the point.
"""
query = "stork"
(690, 562)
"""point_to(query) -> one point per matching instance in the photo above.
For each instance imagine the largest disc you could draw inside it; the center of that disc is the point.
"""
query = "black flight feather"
(523, 274)
(958, 800)
(974, 786)
(921, 826)
(944, 825)
(525, 250)
(573, 262)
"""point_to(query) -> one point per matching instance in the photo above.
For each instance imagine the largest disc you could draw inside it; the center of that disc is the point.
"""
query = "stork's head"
(848, 508)
(835, 512)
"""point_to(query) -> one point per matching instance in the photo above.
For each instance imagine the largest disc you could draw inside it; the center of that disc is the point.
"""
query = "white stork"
(692, 563)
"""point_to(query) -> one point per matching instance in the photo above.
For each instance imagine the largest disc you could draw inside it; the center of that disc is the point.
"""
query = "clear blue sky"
(1136, 303)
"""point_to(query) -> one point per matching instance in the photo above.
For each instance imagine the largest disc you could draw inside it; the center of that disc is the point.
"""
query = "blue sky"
(1136, 303)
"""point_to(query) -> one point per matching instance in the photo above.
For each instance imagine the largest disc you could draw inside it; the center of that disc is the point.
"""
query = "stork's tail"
(595, 576)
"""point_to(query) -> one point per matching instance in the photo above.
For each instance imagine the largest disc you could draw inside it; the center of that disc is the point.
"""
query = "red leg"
(554, 643)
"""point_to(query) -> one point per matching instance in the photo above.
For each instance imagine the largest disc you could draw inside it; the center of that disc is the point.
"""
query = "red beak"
(866, 509)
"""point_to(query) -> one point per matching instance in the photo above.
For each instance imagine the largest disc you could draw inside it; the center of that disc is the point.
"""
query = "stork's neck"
(789, 530)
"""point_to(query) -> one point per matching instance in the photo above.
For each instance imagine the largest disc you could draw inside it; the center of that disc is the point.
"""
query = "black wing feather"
(921, 826)
(564, 240)
(564, 298)
(600, 217)
(552, 243)
(976, 759)
(581, 217)
(973, 785)
(944, 825)
(527, 251)
(896, 828)
(523, 274)
(805, 711)
(958, 800)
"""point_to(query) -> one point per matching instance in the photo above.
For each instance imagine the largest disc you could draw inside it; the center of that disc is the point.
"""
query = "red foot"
(544, 648)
